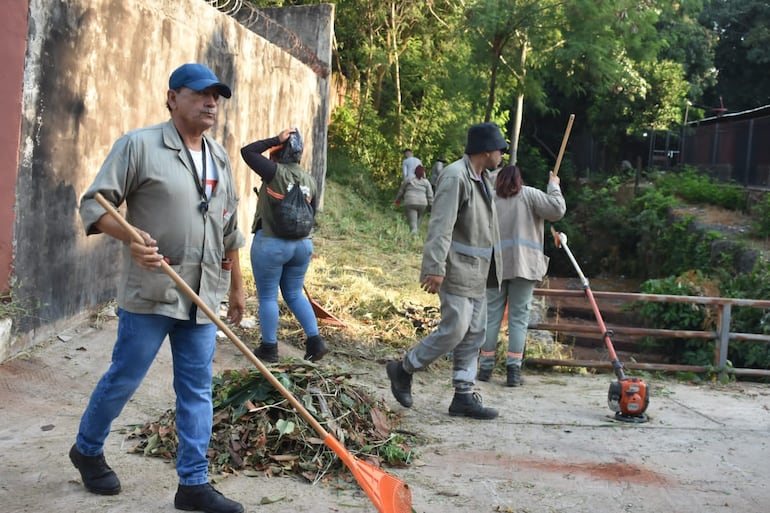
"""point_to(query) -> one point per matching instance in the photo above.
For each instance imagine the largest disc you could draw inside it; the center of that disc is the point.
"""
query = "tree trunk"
(492, 89)
(519, 116)
(396, 70)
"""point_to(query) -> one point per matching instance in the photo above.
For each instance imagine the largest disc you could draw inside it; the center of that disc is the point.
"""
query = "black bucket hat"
(485, 137)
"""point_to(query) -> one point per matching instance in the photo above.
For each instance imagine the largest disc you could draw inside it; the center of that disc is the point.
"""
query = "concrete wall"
(97, 68)
(13, 36)
(304, 32)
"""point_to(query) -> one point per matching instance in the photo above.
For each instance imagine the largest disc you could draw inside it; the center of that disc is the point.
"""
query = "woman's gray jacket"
(415, 192)
(521, 230)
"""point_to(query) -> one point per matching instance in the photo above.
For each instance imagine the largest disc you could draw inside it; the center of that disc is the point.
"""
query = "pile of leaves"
(257, 432)
(423, 318)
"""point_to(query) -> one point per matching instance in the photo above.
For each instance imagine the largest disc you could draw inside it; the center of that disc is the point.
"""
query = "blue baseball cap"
(197, 77)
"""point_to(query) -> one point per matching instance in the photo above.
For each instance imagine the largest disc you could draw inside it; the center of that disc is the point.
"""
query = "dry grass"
(366, 272)
(716, 216)
(374, 301)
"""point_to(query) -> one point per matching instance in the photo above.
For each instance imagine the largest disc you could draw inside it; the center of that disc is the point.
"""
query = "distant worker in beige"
(416, 196)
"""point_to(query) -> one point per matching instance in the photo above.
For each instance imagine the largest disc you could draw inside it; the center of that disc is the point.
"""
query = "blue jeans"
(139, 339)
(517, 292)
(282, 263)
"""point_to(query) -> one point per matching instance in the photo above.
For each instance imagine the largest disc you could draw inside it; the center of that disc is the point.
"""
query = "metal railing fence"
(722, 335)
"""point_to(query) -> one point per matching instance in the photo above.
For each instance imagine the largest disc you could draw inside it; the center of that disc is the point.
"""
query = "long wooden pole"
(563, 144)
(387, 493)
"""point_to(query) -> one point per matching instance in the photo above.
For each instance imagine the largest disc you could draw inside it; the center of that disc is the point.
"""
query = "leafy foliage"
(256, 430)
(622, 229)
(756, 285)
(696, 187)
(689, 43)
(742, 52)
(631, 230)
(356, 136)
(676, 316)
(761, 216)
(417, 73)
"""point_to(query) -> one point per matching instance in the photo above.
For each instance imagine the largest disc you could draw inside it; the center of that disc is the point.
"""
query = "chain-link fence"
(733, 147)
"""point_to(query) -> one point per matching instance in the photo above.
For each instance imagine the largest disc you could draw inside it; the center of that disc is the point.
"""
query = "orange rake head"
(387, 493)
(322, 314)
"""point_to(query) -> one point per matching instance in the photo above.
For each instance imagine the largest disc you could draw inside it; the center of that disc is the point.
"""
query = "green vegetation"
(633, 231)
(761, 215)
(14, 307)
(677, 316)
(695, 187)
(416, 74)
(755, 284)
(614, 226)
(253, 422)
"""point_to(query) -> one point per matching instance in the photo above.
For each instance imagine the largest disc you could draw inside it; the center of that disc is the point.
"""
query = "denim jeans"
(461, 331)
(282, 263)
(139, 339)
(518, 294)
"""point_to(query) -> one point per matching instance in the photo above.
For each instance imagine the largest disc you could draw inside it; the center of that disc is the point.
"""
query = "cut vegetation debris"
(257, 432)
(369, 279)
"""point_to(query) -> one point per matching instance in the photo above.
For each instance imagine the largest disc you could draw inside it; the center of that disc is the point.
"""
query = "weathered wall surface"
(97, 68)
(304, 32)
(13, 32)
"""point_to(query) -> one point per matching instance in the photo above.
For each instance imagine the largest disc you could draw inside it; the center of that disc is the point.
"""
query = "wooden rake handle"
(387, 493)
(220, 324)
(563, 144)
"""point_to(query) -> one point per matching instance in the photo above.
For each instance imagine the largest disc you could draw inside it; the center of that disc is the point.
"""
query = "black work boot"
(514, 376)
(97, 476)
(469, 405)
(400, 383)
(204, 498)
(267, 352)
(484, 374)
(315, 348)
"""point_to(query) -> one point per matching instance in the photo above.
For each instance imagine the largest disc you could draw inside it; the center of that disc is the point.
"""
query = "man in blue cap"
(178, 186)
(461, 251)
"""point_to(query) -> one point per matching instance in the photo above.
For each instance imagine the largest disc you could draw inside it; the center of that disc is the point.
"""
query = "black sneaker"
(97, 476)
(514, 376)
(315, 348)
(400, 383)
(267, 352)
(469, 405)
(484, 374)
(204, 498)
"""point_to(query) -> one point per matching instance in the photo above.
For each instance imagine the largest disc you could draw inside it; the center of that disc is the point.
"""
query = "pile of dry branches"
(256, 431)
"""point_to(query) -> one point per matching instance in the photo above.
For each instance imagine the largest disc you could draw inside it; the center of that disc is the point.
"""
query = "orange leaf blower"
(628, 397)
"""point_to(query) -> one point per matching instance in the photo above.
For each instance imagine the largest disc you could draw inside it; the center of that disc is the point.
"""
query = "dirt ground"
(554, 448)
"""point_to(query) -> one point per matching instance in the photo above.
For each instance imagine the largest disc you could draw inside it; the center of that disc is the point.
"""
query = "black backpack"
(293, 215)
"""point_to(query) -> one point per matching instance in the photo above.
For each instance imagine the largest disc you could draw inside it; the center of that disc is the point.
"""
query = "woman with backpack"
(417, 195)
(282, 247)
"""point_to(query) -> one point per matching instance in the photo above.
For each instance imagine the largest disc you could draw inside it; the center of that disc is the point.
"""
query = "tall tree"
(688, 42)
(742, 55)
(513, 37)
(421, 71)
